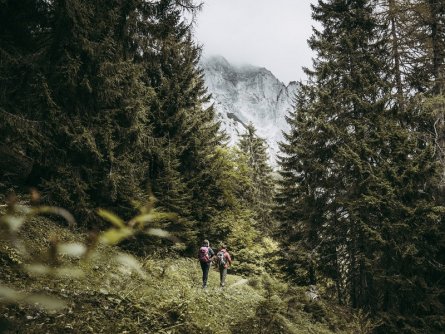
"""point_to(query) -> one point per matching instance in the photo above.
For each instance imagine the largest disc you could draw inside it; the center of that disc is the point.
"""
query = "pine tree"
(261, 196)
(302, 160)
(118, 100)
(184, 160)
(357, 183)
(101, 105)
(91, 106)
(25, 35)
(417, 33)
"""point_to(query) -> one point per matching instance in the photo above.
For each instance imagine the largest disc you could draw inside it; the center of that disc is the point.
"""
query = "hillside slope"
(114, 292)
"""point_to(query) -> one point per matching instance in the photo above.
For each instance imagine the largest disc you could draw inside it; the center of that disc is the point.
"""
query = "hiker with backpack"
(223, 261)
(205, 256)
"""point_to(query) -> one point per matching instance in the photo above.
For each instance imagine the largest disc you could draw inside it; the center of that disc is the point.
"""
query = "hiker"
(205, 256)
(223, 261)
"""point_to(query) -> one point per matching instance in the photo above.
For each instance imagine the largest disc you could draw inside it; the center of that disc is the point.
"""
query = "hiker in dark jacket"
(223, 261)
(205, 256)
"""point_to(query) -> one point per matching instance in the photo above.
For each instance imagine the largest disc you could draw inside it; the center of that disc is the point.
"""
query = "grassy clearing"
(109, 295)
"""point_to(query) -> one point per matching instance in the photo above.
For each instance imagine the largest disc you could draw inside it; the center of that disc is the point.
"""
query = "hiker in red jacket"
(205, 256)
(223, 261)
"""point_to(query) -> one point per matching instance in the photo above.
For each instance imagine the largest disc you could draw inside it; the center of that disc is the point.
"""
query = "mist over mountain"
(243, 94)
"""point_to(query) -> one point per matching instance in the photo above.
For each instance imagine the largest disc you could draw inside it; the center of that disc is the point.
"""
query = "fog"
(271, 34)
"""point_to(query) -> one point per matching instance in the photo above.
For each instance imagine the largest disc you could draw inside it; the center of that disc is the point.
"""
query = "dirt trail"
(240, 282)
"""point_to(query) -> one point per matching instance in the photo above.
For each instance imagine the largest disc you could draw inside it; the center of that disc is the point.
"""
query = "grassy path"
(117, 293)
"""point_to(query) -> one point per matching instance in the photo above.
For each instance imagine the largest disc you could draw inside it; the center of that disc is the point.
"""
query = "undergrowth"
(108, 295)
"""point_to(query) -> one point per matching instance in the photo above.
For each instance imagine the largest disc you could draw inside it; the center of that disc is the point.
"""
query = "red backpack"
(203, 254)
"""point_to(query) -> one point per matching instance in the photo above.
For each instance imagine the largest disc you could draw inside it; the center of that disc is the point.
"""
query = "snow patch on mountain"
(243, 94)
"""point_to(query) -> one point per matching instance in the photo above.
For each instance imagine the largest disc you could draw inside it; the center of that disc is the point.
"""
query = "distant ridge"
(247, 93)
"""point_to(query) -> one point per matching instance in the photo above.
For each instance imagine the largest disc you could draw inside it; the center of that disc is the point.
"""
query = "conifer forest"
(114, 168)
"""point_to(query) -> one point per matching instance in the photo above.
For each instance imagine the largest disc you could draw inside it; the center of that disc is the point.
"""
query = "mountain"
(243, 94)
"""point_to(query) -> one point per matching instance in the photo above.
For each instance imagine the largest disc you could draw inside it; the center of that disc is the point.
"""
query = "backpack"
(221, 258)
(203, 254)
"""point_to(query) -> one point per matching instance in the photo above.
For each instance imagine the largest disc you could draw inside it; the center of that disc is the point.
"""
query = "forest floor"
(114, 292)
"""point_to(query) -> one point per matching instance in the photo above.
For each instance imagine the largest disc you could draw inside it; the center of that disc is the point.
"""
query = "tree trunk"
(438, 58)
(396, 54)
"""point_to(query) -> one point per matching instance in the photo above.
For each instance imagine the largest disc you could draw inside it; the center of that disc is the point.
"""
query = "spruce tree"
(416, 30)
(184, 160)
(360, 182)
(90, 104)
(25, 35)
(118, 103)
(299, 205)
(261, 196)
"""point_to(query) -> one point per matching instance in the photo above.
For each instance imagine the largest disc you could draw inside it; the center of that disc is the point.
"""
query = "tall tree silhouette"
(357, 186)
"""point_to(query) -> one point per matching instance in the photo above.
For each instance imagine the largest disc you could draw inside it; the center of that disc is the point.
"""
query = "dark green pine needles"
(357, 196)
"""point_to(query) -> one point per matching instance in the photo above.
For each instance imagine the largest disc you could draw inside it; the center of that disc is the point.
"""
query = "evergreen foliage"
(103, 104)
(184, 163)
(262, 193)
(111, 101)
(356, 198)
(416, 30)
(90, 102)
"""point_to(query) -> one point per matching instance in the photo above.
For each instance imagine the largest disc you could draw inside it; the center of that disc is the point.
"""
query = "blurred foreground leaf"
(74, 249)
(111, 217)
(131, 263)
(151, 217)
(56, 211)
(158, 232)
(48, 303)
(37, 270)
(14, 222)
(114, 236)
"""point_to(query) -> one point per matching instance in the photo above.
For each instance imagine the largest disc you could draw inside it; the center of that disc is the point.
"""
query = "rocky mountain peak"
(247, 93)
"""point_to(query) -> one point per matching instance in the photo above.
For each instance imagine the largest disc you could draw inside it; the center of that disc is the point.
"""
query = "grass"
(111, 293)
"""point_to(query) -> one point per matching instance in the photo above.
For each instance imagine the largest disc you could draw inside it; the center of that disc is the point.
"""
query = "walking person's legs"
(222, 276)
(205, 273)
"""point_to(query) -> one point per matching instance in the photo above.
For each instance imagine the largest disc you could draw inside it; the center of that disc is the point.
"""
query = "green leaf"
(111, 217)
(75, 249)
(157, 232)
(43, 301)
(46, 302)
(56, 211)
(151, 217)
(131, 263)
(114, 236)
(14, 222)
(9, 294)
(37, 269)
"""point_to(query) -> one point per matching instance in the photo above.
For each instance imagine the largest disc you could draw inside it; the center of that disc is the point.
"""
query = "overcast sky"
(266, 33)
